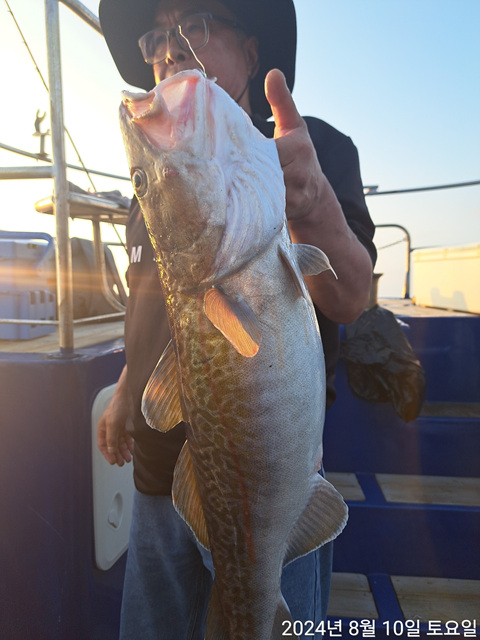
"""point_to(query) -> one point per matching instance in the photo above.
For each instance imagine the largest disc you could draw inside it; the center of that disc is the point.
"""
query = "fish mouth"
(169, 114)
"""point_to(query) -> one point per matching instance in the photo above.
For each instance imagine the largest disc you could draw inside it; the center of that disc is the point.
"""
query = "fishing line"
(251, 76)
(205, 72)
(244, 89)
(193, 52)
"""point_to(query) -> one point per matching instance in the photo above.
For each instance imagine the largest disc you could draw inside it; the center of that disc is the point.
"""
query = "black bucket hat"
(272, 21)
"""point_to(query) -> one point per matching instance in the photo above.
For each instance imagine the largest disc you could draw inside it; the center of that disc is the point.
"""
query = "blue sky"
(401, 77)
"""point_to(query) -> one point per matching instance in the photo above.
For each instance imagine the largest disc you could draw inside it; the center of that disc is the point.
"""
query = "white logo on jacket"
(136, 254)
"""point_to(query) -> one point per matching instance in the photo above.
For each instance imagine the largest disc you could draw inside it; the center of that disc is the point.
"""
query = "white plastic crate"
(447, 278)
(27, 305)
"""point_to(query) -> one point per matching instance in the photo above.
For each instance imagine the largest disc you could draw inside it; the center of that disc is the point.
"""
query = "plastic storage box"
(27, 305)
(26, 292)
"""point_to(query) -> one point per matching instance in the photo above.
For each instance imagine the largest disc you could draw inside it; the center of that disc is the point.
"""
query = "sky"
(400, 77)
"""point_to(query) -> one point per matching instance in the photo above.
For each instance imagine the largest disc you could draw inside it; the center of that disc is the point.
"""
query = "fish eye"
(139, 182)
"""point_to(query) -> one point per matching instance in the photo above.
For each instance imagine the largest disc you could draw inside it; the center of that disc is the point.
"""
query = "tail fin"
(283, 623)
(214, 629)
(281, 628)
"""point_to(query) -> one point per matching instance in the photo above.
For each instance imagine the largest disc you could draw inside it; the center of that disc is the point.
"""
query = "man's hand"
(113, 440)
(314, 213)
(304, 179)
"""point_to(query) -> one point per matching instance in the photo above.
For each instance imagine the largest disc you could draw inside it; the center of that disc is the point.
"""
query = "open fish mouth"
(168, 114)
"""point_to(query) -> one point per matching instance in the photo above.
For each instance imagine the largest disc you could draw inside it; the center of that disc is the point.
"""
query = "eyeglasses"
(191, 33)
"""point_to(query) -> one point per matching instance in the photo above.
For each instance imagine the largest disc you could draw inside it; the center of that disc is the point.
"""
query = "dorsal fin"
(234, 319)
(161, 405)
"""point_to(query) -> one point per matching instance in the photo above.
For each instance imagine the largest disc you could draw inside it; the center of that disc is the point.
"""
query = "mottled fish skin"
(245, 368)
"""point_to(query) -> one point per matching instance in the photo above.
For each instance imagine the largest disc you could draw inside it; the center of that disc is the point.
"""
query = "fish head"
(192, 152)
(176, 178)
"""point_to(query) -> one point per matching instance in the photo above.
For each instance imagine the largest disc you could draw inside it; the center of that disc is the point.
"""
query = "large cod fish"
(245, 367)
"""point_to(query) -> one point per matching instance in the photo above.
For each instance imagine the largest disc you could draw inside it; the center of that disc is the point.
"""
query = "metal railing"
(60, 184)
(45, 158)
(63, 199)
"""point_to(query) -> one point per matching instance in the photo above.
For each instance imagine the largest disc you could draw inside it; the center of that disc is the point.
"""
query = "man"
(249, 46)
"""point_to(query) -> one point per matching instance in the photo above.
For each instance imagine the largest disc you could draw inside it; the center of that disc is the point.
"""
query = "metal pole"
(36, 156)
(406, 285)
(87, 16)
(25, 173)
(63, 253)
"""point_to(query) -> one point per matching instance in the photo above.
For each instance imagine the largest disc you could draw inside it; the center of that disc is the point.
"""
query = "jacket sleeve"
(339, 161)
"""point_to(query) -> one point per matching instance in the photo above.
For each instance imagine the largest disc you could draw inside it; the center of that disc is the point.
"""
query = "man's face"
(229, 56)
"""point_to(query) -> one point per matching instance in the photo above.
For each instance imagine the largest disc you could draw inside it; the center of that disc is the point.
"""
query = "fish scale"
(245, 367)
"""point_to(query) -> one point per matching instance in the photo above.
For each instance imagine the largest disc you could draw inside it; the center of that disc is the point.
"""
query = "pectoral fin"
(312, 260)
(323, 520)
(308, 260)
(161, 401)
(234, 319)
(294, 271)
(186, 498)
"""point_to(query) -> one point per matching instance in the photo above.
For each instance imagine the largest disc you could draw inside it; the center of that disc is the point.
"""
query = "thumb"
(281, 102)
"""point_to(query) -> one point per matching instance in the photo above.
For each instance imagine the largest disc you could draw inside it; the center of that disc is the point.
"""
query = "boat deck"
(85, 335)
(405, 307)
(412, 489)
(423, 599)
(408, 560)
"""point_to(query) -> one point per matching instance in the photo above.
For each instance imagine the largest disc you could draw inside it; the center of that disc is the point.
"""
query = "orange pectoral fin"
(234, 319)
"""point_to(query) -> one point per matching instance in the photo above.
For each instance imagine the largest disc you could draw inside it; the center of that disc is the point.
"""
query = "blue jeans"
(169, 576)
